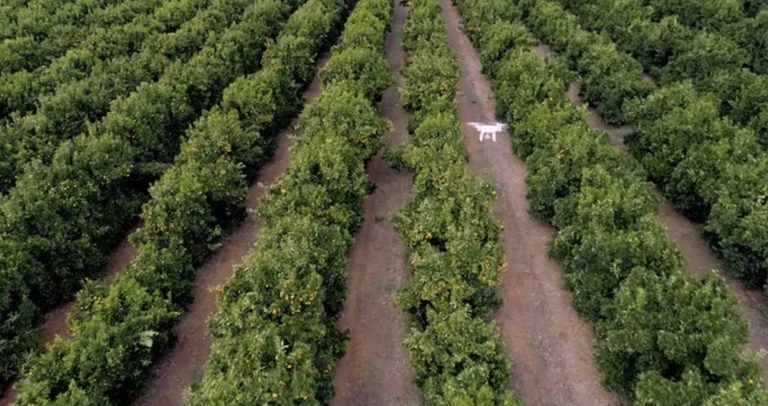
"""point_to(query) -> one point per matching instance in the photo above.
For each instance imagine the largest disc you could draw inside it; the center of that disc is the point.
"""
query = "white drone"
(488, 131)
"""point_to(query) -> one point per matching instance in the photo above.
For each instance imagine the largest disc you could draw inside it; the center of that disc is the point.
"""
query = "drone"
(488, 131)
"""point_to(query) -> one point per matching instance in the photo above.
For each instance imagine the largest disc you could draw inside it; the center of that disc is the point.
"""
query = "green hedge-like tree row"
(712, 169)
(455, 252)
(21, 90)
(673, 52)
(44, 36)
(738, 20)
(8, 14)
(119, 328)
(663, 338)
(77, 99)
(275, 335)
(60, 220)
(33, 17)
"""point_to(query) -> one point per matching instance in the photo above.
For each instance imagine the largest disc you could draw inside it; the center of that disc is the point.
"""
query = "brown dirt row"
(178, 369)
(375, 369)
(551, 347)
(700, 260)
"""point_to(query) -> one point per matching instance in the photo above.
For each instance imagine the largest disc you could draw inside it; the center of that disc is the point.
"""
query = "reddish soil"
(375, 369)
(178, 369)
(55, 322)
(700, 260)
(551, 348)
(8, 397)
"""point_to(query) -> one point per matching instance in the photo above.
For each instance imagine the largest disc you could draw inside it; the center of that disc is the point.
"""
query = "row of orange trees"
(741, 21)
(275, 335)
(119, 328)
(732, 67)
(21, 89)
(41, 32)
(9, 13)
(711, 168)
(455, 253)
(61, 219)
(33, 17)
(80, 87)
(662, 338)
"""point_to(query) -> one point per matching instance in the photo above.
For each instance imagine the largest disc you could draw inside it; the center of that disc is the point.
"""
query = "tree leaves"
(663, 338)
(454, 245)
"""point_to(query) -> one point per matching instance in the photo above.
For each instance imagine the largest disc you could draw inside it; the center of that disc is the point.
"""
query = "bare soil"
(699, 258)
(375, 369)
(551, 347)
(178, 369)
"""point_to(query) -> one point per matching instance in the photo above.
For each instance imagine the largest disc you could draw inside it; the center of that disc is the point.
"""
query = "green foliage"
(707, 14)
(277, 316)
(42, 36)
(449, 341)
(611, 79)
(703, 56)
(498, 38)
(555, 169)
(523, 79)
(662, 337)
(17, 329)
(712, 169)
(327, 178)
(546, 120)
(486, 11)
(86, 198)
(361, 67)
(126, 326)
(606, 229)
(628, 23)
(712, 59)
(363, 30)
(23, 88)
(738, 218)
(743, 97)
(77, 89)
(432, 79)
(56, 244)
(671, 329)
(684, 136)
(749, 34)
(668, 123)
(454, 244)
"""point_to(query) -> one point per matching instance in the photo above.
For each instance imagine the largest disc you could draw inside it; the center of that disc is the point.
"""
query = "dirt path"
(376, 369)
(173, 373)
(700, 260)
(55, 322)
(552, 349)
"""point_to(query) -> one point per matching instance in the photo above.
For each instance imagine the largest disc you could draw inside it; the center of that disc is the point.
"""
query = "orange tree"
(662, 337)
(275, 335)
(120, 328)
